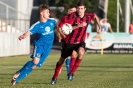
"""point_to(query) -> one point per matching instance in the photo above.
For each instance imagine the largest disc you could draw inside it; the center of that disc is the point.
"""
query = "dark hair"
(42, 7)
(81, 3)
(71, 6)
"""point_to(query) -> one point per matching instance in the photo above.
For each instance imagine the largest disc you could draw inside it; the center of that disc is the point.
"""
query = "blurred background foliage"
(92, 6)
(112, 14)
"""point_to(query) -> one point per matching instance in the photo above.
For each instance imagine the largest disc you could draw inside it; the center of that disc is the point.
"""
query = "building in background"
(14, 20)
(15, 14)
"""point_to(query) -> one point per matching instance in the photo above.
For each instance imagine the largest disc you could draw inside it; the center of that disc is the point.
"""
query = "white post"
(7, 12)
(106, 8)
(117, 16)
(127, 15)
(131, 6)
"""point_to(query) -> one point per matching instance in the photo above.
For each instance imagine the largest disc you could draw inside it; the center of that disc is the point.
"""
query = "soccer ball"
(66, 28)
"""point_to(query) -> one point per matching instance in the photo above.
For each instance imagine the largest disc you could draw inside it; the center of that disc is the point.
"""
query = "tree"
(91, 4)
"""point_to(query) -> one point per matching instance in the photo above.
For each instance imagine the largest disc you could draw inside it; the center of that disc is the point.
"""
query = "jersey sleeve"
(91, 16)
(71, 18)
(62, 21)
(54, 21)
(33, 29)
(67, 19)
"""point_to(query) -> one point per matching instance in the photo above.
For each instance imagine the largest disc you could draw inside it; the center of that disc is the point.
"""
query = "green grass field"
(95, 71)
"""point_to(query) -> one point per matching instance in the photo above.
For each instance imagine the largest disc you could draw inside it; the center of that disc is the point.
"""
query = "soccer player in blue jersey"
(42, 45)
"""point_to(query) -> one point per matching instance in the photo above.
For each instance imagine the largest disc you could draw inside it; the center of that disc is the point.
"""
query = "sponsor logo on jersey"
(47, 29)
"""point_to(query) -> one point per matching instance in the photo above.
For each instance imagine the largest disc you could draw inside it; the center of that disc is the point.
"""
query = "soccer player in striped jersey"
(44, 28)
(75, 40)
(70, 10)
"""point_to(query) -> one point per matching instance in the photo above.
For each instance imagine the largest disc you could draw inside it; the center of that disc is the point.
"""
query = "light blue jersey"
(44, 31)
(42, 47)
(44, 41)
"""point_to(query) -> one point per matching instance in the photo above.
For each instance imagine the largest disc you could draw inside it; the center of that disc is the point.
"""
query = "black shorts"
(62, 43)
(67, 49)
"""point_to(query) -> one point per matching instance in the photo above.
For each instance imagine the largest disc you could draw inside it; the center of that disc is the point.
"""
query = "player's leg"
(80, 52)
(45, 52)
(64, 53)
(68, 59)
(78, 60)
(36, 62)
(62, 45)
(73, 59)
(57, 70)
(25, 71)
(28, 67)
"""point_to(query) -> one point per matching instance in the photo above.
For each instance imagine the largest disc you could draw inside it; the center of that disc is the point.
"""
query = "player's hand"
(82, 24)
(64, 36)
(99, 31)
(21, 37)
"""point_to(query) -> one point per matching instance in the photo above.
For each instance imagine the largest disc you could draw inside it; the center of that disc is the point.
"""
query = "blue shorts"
(41, 52)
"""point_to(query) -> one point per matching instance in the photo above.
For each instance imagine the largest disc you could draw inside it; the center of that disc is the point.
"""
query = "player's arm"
(102, 20)
(62, 21)
(110, 29)
(60, 33)
(59, 37)
(59, 28)
(98, 23)
(24, 35)
(32, 30)
(71, 19)
(80, 25)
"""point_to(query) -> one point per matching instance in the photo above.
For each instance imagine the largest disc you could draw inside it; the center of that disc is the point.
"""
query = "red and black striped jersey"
(63, 20)
(78, 35)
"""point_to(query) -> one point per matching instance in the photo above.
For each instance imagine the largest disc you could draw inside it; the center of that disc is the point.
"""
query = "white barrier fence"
(11, 46)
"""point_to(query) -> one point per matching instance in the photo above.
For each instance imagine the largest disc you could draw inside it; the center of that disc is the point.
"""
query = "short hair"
(43, 7)
(71, 6)
(81, 3)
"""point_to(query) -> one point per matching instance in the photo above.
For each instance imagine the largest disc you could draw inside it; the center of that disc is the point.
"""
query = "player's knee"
(30, 64)
(74, 54)
(81, 51)
(33, 67)
(69, 57)
(35, 62)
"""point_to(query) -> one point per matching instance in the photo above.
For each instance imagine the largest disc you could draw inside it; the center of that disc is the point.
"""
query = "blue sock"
(27, 68)
(68, 65)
